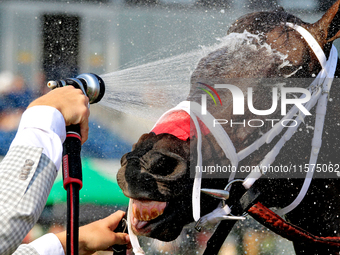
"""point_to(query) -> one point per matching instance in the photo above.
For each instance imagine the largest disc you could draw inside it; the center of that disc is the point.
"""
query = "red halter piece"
(178, 124)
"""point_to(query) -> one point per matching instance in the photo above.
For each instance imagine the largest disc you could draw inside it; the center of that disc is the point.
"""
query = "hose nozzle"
(91, 84)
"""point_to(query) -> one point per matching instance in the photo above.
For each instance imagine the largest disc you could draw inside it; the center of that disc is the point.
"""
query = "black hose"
(72, 176)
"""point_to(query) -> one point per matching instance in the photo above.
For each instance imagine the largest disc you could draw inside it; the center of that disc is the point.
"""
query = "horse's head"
(156, 173)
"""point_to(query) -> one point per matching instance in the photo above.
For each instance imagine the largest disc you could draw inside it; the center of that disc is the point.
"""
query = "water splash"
(150, 89)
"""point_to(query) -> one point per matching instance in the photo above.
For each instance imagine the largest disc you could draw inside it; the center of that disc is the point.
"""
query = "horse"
(264, 51)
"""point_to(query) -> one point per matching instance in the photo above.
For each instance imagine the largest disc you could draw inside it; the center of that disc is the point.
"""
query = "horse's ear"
(327, 29)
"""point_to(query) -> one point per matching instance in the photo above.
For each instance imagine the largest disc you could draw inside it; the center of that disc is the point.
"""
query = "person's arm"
(46, 138)
(96, 236)
(26, 178)
(99, 235)
(26, 172)
(42, 127)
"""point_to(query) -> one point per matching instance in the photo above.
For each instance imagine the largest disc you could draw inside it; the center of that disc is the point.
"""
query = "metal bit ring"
(226, 188)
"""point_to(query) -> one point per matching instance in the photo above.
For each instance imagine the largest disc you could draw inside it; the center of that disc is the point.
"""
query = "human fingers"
(55, 98)
(72, 104)
(99, 236)
(78, 112)
(75, 107)
(84, 126)
(84, 131)
(114, 219)
(121, 239)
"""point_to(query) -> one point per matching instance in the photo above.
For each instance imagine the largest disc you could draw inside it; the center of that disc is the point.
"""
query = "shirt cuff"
(43, 127)
(48, 244)
(45, 118)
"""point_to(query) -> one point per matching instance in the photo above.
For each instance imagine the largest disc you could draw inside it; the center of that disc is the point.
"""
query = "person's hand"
(72, 104)
(99, 235)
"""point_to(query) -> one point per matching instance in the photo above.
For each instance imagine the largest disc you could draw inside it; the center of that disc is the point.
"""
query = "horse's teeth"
(134, 221)
(145, 215)
(147, 210)
(154, 213)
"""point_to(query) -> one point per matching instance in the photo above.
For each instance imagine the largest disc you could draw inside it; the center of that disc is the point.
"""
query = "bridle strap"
(137, 250)
(323, 80)
(312, 43)
(328, 67)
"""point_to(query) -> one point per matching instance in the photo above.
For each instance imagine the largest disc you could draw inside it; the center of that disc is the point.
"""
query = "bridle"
(319, 89)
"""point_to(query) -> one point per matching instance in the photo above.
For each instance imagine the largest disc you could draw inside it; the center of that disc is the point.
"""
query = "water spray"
(93, 87)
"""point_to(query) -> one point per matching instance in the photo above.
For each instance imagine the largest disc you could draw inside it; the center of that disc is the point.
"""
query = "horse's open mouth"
(145, 214)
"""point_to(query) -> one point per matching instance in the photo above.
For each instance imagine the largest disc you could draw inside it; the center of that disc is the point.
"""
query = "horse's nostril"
(163, 165)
